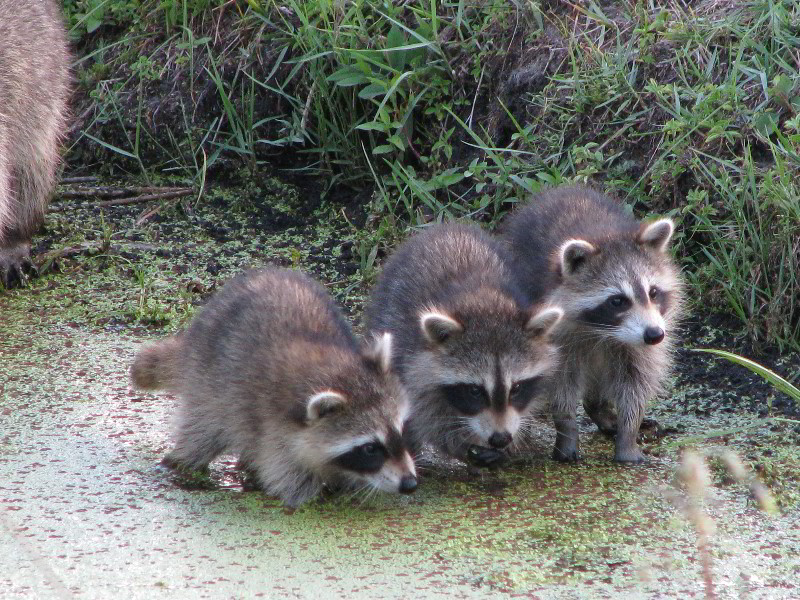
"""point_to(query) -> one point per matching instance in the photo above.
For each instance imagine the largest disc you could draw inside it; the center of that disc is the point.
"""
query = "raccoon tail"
(156, 365)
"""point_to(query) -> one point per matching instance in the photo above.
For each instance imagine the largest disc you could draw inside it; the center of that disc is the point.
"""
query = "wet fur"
(34, 88)
(245, 369)
(461, 274)
(614, 380)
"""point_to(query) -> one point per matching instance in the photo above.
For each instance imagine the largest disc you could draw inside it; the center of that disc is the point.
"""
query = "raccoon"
(270, 370)
(471, 351)
(621, 294)
(34, 87)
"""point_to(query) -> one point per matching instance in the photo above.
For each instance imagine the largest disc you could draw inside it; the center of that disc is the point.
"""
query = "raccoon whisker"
(369, 492)
(359, 491)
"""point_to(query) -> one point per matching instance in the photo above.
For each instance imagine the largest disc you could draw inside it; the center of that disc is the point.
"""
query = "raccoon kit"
(621, 295)
(34, 78)
(470, 350)
(270, 370)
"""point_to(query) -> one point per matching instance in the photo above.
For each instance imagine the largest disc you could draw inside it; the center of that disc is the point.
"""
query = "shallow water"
(86, 510)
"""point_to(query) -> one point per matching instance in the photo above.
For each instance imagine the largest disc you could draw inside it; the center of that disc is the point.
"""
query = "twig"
(87, 179)
(307, 107)
(69, 252)
(115, 192)
(148, 197)
(147, 214)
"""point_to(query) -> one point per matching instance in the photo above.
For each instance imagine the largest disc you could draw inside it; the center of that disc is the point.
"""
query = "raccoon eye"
(618, 301)
(370, 449)
(522, 392)
(366, 458)
(654, 293)
(466, 398)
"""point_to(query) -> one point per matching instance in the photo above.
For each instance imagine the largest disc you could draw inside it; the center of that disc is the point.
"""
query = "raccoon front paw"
(480, 456)
(16, 265)
(566, 456)
(629, 456)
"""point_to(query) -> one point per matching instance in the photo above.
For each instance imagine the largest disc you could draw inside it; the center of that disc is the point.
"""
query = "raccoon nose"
(653, 335)
(408, 484)
(500, 439)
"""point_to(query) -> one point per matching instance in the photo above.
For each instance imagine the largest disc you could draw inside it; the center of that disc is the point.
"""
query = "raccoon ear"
(323, 403)
(572, 254)
(380, 351)
(657, 234)
(438, 327)
(543, 322)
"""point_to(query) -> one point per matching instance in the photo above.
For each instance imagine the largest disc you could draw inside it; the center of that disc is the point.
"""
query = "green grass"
(691, 112)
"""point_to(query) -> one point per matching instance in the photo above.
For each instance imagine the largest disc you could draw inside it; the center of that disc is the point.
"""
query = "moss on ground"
(80, 449)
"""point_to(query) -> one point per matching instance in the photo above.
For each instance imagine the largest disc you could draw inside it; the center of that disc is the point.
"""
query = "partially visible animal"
(621, 293)
(34, 88)
(269, 370)
(471, 351)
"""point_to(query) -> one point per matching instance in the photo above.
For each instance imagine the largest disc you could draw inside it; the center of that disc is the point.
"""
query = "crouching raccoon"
(621, 294)
(270, 370)
(470, 350)
(34, 86)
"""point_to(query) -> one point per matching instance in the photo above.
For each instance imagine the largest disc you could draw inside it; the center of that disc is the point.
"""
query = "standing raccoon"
(621, 294)
(34, 86)
(471, 351)
(270, 370)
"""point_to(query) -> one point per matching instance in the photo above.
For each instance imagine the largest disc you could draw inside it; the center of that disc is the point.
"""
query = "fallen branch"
(116, 192)
(86, 179)
(174, 193)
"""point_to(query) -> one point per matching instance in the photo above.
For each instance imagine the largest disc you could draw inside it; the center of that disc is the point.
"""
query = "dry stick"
(85, 179)
(147, 214)
(148, 197)
(71, 251)
(307, 107)
(115, 192)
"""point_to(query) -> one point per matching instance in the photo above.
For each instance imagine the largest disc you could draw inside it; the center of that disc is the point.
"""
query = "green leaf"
(772, 377)
(372, 90)
(397, 141)
(347, 76)
(92, 24)
(395, 37)
(764, 123)
(372, 126)
(383, 149)
(782, 85)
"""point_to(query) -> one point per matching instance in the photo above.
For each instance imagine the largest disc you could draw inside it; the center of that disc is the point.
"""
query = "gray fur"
(606, 366)
(34, 87)
(461, 273)
(247, 371)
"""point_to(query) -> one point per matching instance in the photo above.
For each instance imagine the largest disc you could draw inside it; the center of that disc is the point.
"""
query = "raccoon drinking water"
(270, 370)
(470, 351)
(34, 77)
(621, 295)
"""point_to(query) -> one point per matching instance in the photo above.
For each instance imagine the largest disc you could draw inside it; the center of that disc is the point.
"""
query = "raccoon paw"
(566, 456)
(15, 265)
(630, 456)
(480, 456)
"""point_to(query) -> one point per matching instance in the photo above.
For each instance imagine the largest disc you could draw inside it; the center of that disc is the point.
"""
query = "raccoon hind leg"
(195, 447)
(16, 265)
(602, 413)
(15, 251)
(20, 216)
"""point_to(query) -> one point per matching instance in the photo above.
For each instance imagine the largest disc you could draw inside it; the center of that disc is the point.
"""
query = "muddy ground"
(88, 512)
